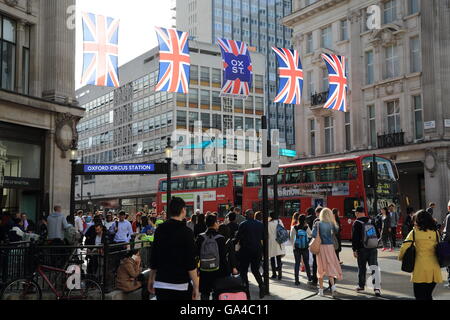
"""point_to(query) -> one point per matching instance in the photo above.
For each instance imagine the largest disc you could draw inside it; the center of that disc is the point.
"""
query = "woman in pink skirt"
(327, 261)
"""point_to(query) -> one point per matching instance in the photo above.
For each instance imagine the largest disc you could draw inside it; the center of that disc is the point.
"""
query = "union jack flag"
(237, 68)
(174, 61)
(337, 96)
(290, 75)
(100, 50)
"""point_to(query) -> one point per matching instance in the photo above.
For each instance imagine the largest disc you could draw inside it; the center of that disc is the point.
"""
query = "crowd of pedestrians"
(190, 255)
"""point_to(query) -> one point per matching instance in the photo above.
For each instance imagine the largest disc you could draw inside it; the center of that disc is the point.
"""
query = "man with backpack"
(365, 238)
(212, 255)
(121, 229)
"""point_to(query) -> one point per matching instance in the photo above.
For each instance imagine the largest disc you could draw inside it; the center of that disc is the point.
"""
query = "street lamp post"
(73, 161)
(169, 155)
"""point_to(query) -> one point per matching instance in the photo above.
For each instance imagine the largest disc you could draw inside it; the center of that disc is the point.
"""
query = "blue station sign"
(121, 169)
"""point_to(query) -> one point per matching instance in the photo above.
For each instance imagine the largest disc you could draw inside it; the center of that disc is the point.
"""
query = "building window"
(216, 78)
(348, 137)
(216, 101)
(325, 82)
(205, 100)
(217, 121)
(418, 117)
(372, 126)
(392, 63)
(329, 134)
(415, 54)
(26, 62)
(390, 11)
(310, 87)
(194, 74)
(344, 30)
(312, 136)
(7, 53)
(204, 76)
(413, 6)
(369, 67)
(181, 119)
(393, 116)
(327, 40)
(309, 43)
(206, 120)
(193, 98)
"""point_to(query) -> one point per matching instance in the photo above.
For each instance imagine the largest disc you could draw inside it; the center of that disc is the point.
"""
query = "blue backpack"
(301, 239)
(282, 234)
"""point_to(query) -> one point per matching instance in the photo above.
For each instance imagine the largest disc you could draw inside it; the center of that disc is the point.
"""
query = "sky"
(138, 19)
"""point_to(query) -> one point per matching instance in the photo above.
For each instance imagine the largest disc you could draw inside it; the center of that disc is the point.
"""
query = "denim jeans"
(298, 254)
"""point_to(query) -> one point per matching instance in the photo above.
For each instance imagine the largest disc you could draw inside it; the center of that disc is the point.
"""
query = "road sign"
(288, 153)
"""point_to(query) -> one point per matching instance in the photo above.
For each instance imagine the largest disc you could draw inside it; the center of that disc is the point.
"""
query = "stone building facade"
(399, 88)
(38, 110)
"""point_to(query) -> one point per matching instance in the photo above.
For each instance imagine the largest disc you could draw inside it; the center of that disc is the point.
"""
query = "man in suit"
(394, 223)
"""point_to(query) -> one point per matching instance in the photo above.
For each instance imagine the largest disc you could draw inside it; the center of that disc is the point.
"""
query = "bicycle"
(29, 289)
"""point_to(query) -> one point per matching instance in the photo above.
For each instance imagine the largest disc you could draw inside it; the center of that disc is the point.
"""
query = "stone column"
(355, 99)
(435, 39)
(58, 54)
(437, 180)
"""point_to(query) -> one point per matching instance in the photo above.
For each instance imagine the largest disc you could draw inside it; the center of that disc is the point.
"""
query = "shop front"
(22, 152)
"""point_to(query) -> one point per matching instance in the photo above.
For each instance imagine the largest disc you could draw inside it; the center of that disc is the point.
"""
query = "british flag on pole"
(100, 50)
(337, 96)
(237, 68)
(174, 61)
(290, 74)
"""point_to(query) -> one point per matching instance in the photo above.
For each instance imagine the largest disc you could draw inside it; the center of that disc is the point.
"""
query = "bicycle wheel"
(22, 289)
(89, 290)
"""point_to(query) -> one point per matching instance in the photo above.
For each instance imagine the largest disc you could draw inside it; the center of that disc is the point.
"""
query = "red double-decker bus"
(339, 183)
(215, 191)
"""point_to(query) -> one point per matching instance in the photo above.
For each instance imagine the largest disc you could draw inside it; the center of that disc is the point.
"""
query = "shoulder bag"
(314, 245)
(443, 252)
(409, 258)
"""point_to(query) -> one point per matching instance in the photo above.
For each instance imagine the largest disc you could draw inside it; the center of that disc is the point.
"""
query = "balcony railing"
(390, 140)
(319, 98)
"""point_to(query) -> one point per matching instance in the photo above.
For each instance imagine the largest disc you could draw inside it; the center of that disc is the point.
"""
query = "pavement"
(395, 284)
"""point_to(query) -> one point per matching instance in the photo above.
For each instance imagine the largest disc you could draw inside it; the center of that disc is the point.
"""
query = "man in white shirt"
(79, 224)
(122, 229)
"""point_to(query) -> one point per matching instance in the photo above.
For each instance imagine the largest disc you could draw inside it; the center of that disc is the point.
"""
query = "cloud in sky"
(138, 19)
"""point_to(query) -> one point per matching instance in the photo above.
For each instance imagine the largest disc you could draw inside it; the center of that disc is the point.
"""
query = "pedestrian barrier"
(19, 260)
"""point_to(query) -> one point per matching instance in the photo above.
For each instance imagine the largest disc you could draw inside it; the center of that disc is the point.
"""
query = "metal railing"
(390, 140)
(20, 260)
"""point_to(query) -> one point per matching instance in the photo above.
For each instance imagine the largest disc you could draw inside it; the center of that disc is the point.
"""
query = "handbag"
(409, 258)
(335, 241)
(314, 245)
(443, 252)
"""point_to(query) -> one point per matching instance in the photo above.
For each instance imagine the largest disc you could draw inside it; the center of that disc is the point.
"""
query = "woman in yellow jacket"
(427, 272)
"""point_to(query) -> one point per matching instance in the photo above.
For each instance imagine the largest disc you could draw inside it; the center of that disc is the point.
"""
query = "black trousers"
(298, 254)
(393, 236)
(424, 291)
(366, 257)
(253, 260)
(448, 276)
(314, 275)
(207, 280)
(173, 295)
(275, 263)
